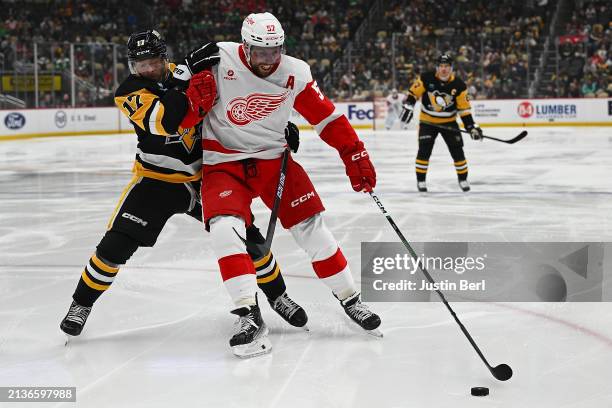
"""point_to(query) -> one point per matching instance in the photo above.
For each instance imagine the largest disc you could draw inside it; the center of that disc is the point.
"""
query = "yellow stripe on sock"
(92, 284)
(271, 277)
(262, 261)
(103, 266)
(424, 171)
(460, 163)
(422, 161)
(462, 171)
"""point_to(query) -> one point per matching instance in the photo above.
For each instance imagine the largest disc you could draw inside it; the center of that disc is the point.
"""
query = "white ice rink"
(158, 337)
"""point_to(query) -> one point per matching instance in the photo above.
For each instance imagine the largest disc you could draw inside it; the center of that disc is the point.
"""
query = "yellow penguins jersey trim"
(166, 151)
(441, 101)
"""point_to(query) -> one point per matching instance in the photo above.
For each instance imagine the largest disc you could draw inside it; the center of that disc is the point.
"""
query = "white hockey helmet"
(261, 30)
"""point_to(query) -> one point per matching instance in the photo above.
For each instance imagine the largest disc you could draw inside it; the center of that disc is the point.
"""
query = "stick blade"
(502, 372)
(520, 136)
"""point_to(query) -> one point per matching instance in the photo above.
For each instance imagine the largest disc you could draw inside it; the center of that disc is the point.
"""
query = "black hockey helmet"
(445, 58)
(144, 45)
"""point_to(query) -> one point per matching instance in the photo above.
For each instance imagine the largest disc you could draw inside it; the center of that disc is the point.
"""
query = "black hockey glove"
(203, 57)
(475, 132)
(199, 59)
(406, 114)
(292, 136)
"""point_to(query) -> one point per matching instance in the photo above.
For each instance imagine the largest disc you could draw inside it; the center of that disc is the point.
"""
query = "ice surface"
(159, 337)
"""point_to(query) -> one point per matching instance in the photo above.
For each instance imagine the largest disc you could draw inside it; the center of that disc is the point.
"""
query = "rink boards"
(28, 123)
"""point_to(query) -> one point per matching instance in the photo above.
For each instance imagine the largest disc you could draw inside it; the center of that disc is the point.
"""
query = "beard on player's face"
(151, 68)
(263, 59)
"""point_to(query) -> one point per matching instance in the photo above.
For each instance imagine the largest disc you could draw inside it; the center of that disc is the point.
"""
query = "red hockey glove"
(202, 91)
(359, 168)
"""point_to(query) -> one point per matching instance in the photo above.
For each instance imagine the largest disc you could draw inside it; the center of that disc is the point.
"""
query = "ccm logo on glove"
(359, 155)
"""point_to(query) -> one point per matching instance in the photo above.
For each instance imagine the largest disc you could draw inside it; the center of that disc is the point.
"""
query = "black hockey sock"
(113, 251)
(95, 280)
(421, 169)
(462, 169)
(461, 166)
(269, 278)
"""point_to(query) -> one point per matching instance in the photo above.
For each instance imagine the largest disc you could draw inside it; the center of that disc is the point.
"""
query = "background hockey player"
(443, 97)
(395, 100)
(243, 139)
(167, 172)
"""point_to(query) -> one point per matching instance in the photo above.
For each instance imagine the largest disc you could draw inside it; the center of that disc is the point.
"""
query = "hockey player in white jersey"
(394, 107)
(243, 140)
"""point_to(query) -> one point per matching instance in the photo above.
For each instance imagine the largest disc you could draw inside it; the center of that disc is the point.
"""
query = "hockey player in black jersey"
(166, 174)
(443, 96)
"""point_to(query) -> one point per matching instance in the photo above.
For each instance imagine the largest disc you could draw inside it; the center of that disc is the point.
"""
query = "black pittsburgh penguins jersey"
(441, 102)
(165, 151)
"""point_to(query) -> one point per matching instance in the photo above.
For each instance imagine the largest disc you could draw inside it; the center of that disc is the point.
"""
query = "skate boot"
(465, 186)
(250, 337)
(293, 313)
(361, 314)
(75, 319)
(422, 186)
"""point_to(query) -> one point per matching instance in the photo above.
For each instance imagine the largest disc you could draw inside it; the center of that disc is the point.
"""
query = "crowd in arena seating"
(491, 41)
(585, 53)
(316, 31)
(495, 43)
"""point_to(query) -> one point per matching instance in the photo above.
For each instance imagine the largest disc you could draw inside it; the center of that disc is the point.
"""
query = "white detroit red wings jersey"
(250, 114)
(395, 104)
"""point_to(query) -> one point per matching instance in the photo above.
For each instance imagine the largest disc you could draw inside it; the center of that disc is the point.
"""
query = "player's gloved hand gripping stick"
(501, 372)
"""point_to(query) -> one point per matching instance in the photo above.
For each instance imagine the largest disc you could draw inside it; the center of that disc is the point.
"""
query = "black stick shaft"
(430, 279)
(513, 140)
(277, 199)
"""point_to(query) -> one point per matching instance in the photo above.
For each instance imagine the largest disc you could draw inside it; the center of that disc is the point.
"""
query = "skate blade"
(257, 347)
(260, 345)
(376, 333)
(305, 328)
(69, 339)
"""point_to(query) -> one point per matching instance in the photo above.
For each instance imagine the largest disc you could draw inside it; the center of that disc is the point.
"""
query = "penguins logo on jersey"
(187, 137)
(243, 110)
(440, 100)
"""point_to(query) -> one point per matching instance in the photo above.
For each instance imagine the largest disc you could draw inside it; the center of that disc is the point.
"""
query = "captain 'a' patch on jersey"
(166, 151)
(441, 100)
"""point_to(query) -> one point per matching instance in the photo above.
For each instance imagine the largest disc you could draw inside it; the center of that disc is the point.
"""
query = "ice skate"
(250, 337)
(465, 186)
(290, 311)
(361, 314)
(422, 186)
(75, 319)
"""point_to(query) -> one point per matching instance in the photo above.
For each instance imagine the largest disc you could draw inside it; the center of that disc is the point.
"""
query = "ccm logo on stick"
(302, 199)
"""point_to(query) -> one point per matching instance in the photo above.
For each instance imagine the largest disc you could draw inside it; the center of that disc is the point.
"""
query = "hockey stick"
(264, 248)
(501, 372)
(515, 139)
(279, 194)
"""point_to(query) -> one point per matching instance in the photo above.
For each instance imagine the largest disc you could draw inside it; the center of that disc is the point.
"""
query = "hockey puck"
(480, 391)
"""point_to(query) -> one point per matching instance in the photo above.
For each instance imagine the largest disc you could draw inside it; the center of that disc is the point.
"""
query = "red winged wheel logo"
(244, 110)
